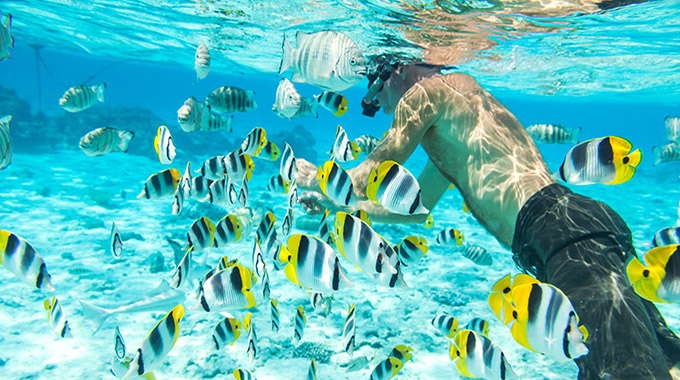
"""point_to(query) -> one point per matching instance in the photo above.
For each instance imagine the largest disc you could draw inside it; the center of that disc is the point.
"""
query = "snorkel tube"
(376, 80)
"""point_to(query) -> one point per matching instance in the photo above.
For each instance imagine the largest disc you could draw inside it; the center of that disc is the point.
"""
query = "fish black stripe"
(471, 343)
(534, 304)
(554, 305)
(415, 203)
(64, 330)
(347, 228)
(156, 341)
(27, 258)
(303, 252)
(350, 343)
(565, 337)
(336, 275)
(605, 152)
(217, 344)
(397, 354)
(220, 330)
(42, 275)
(57, 312)
(11, 247)
(349, 195)
(236, 281)
(156, 184)
(503, 369)
(140, 362)
(379, 369)
(579, 156)
(204, 302)
(389, 177)
(394, 278)
(449, 324)
(672, 267)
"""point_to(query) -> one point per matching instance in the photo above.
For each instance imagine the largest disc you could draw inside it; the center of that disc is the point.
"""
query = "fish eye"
(353, 61)
(645, 273)
(625, 160)
(514, 314)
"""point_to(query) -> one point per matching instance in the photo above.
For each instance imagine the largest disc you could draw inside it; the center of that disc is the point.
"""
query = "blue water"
(612, 73)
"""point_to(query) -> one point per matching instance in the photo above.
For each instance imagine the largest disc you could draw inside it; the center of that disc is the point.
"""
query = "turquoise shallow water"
(63, 201)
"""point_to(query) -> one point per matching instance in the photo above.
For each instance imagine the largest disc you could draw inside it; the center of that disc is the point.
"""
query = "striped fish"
(228, 289)
(666, 153)
(237, 164)
(190, 115)
(6, 39)
(157, 345)
(116, 244)
(217, 192)
(449, 236)
(213, 168)
(362, 246)
(229, 99)
(395, 188)
(228, 230)
(477, 255)
(343, 149)
(160, 184)
(320, 303)
(243, 192)
(57, 319)
(300, 322)
(387, 369)
(323, 232)
(249, 326)
(390, 280)
(313, 264)
(269, 152)
(258, 259)
(311, 373)
(274, 314)
(200, 187)
(266, 289)
(349, 331)
(607, 160)
(287, 224)
(254, 142)
(82, 97)
(226, 332)
(211, 122)
(202, 61)
(402, 352)
(164, 146)
(183, 270)
(6, 157)
(20, 258)
(478, 325)
(308, 108)
(553, 134)
(222, 264)
(411, 249)
(292, 197)
(335, 183)
(666, 236)
(105, 140)
(186, 182)
(243, 374)
(327, 59)
(672, 128)
(445, 324)
(475, 355)
(178, 200)
(288, 169)
(265, 226)
(277, 184)
(201, 234)
(119, 344)
(366, 143)
(288, 100)
(332, 101)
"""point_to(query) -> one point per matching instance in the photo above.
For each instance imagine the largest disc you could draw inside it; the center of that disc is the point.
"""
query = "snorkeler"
(573, 242)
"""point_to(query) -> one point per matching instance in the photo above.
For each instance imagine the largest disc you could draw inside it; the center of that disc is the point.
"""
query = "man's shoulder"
(449, 80)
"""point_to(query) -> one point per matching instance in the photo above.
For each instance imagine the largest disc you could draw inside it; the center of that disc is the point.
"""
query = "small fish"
(390, 280)
(656, 280)
(254, 142)
(190, 115)
(288, 100)
(252, 337)
(500, 299)
(272, 248)
(222, 264)
(20, 258)
(362, 246)
(105, 140)
(292, 197)
(287, 225)
(445, 324)
(258, 260)
(366, 143)
(553, 134)
(164, 146)
(228, 289)
(161, 184)
(312, 264)
(6, 157)
(6, 39)
(274, 314)
(200, 187)
(475, 355)
(243, 374)
(201, 234)
(243, 192)
(81, 97)
(202, 61)
(120, 367)
(395, 188)
(402, 353)
(57, 319)
(269, 152)
(157, 345)
(300, 322)
(213, 168)
(327, 59)
(449, 236)
(477, 255)
(349, 331)
(181, 275)
(320, 303)
(266, 290)
(229, 99)
(387, 369)
(666, 236)
(333, 101)
(308, 108)
(607, 160)
(429, 222)
(356, 364)
(672, 128)
(666, 153)
(335, 183)
(288, 168)
(228, 230)
(323, 232)
(411, 249)
(265, 226)
(178, 200)
(116, 244)
(226, 332)
(343, 149)
(363, 215)
(478, 325)
(217, 193)
(311, 373)
(211, 122)
(119, 344)
(237, 164)
(277, 184)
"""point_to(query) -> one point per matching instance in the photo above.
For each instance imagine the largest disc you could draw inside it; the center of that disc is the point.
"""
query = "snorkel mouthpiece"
(376, 80)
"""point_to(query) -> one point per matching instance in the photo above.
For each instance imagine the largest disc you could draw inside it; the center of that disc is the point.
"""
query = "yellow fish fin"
(155, 142)
(451, 187)
(496, 302)
(429, 221)
(149, 376)
(519, 332)
(246, 321)
(634, 158)
(291, 274)
(523, 279)
(47, 304)
(251, 299)
(659, 256)
(453, 351)
(623, 174)
(585, 332)
(372, 185)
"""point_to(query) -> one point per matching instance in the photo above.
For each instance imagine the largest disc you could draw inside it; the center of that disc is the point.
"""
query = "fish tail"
(314, 109)
(635, 157)
(286, 60)
(95, 314)
(125, 138)
(575, 138)
(100, 92)
(657, 154)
